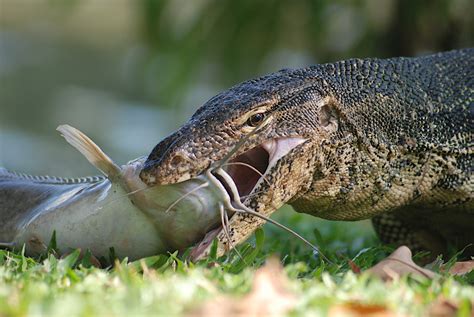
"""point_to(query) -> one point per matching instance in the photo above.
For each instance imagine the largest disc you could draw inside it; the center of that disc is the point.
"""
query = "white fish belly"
(96, 217)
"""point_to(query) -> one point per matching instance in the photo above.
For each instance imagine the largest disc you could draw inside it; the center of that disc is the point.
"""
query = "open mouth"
(250, 168)
(247, 170)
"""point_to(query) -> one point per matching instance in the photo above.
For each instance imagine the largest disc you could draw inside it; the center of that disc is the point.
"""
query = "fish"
(116, 211)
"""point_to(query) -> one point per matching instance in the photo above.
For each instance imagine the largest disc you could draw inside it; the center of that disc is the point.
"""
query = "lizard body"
(387, 139)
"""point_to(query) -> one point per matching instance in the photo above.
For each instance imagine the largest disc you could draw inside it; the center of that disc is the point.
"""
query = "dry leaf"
(269, 296)
(461, 268)
(355, 309)
(354, 267)
(443, 307)
(399, 263)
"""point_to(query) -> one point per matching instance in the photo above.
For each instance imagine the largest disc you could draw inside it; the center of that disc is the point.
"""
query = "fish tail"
(90, 150)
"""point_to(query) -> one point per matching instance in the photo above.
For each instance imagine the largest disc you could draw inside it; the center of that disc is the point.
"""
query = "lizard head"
(274, 162)
(283, 102)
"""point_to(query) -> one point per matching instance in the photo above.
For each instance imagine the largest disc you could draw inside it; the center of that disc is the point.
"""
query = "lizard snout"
(170, 169)
(167, 163)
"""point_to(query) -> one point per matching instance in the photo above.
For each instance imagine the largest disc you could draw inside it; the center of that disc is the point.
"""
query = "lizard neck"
(354, 180)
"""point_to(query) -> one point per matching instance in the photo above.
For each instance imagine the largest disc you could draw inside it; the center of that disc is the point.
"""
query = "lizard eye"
(255, 119)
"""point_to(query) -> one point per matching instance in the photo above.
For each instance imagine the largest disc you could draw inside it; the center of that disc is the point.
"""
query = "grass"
(168, 285)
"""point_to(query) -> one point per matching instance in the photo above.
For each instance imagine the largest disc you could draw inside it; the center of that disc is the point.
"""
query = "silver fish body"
(81, 215)
(100, 213)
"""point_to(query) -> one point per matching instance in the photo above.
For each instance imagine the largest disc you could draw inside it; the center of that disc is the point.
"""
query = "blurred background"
(128, 72)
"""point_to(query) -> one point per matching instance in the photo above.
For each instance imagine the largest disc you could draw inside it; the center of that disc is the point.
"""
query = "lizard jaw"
(261, 158)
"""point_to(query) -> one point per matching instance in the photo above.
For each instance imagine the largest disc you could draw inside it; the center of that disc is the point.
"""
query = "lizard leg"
(392, 229)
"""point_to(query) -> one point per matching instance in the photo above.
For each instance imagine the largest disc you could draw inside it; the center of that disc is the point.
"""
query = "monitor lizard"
(385, 139)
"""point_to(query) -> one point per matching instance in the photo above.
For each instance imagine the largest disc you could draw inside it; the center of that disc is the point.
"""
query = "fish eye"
(255, 119)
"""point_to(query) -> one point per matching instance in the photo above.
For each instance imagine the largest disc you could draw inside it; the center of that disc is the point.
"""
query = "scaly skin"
(387, 139)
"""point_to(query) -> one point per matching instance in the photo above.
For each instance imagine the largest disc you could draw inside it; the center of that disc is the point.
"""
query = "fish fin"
(90, 150)
(8, 245)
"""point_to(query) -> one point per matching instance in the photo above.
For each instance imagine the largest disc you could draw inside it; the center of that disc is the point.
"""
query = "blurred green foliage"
(175, 45)
(237, 40)
(130, 71)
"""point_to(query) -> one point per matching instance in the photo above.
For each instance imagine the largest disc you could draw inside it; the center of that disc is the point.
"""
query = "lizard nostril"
(177, 160)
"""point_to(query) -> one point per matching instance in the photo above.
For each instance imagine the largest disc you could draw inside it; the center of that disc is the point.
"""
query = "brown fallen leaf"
(354, 268)
(355, 309)
(269, 296)
(399, 263)
(462, 268)
(443, 307)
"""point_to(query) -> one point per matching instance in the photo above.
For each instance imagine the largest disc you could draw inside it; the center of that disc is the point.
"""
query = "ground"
(168, 285)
